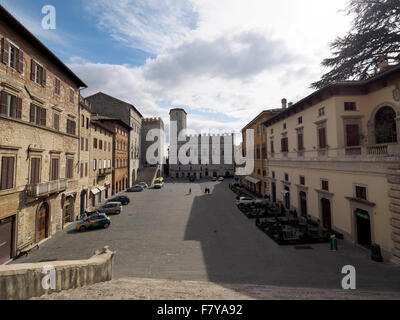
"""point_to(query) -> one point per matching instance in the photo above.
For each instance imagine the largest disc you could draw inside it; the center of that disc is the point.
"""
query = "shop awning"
(102, 188)
(95, 191)
(252, 180)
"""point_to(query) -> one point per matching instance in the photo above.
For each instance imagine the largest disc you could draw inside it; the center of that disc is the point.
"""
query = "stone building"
(120, 151)
(39, 140)
(101, 162)
(84, 154)
(105, 105)
(257, 181)
(149, 124)
(207, 153)
(335, 156)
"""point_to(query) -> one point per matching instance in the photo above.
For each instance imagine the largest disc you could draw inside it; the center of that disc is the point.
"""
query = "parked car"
(111, 208)
(137, 188)
(158, 184)
(214, 179)
(124, 200)
(192, 178)
(245, 200)
(249, 200)
(221, 179)
(94, 221)
(160, 179)
(143, 185)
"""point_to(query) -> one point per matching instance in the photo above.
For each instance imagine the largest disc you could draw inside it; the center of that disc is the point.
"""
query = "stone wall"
(24, 281)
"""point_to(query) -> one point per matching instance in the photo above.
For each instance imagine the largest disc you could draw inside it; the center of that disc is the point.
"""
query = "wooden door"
(326, 214)
(42, 223)
(353, 135)
(6, 239)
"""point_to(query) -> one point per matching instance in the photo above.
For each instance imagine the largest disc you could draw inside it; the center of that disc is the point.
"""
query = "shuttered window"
(71, 127)
(7, 173)
(300, 141)
(12, 56)
(57, 86)
(71, 95)
(86, 169)
(87, 144)
(82, 144)
(38, 73)
(70, 168)
(35, 171)
(353, 135)
(54, 169)
(37, 115)
(272, 147)
(56, 121)
(285, 145)
(10, 105)
(322, 138)
(81, 172)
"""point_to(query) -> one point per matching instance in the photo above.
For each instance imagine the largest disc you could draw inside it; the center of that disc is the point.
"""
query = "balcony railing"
(378, 150)
(46, 188)
(104, 172)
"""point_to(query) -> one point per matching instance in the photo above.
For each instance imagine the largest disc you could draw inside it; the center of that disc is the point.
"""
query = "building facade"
(120, 151)
(84, 129)
(148, 125)
(257, 181)
(105, 105)
(39, 140)
(334, 156)
(101, 162)
(209, 155)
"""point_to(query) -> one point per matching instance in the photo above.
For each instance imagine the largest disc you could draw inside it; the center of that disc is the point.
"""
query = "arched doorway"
(68, 210)
(206, 173)
(326, 214)
(303, 203)
(83, 202)
(385, 125)
(363, 227)
(43, 222)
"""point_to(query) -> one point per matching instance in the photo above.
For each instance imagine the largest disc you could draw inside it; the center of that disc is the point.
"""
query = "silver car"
(143, 185)
(111, 208)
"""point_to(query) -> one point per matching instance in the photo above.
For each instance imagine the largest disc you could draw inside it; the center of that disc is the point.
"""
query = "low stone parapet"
(28, 280)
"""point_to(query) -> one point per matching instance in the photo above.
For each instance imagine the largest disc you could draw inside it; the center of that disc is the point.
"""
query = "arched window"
(385, 125)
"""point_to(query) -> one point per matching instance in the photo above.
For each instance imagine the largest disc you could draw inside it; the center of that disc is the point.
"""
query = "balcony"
(43, 189)
(104, 172)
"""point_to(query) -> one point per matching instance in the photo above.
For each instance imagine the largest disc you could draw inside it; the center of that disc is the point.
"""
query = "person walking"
(190, 190)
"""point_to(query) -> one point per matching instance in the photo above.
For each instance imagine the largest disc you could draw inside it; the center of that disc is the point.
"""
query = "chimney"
(383, 63)
(284, 102)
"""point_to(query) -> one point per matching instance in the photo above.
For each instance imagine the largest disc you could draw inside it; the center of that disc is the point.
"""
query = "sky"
(223, 61)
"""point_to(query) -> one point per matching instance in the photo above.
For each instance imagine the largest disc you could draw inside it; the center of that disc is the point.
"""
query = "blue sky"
(222, 61)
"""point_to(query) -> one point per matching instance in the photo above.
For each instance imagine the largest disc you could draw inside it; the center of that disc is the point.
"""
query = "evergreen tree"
(375, 33)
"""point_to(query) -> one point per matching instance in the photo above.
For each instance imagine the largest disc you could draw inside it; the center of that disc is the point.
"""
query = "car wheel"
(81, 229)
(117, 212)
(106, 225)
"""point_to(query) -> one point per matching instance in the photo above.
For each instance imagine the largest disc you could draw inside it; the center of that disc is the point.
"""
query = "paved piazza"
(169, 234)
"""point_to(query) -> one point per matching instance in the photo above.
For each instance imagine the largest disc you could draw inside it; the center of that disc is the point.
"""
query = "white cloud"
(237, 59)
(149, 25)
